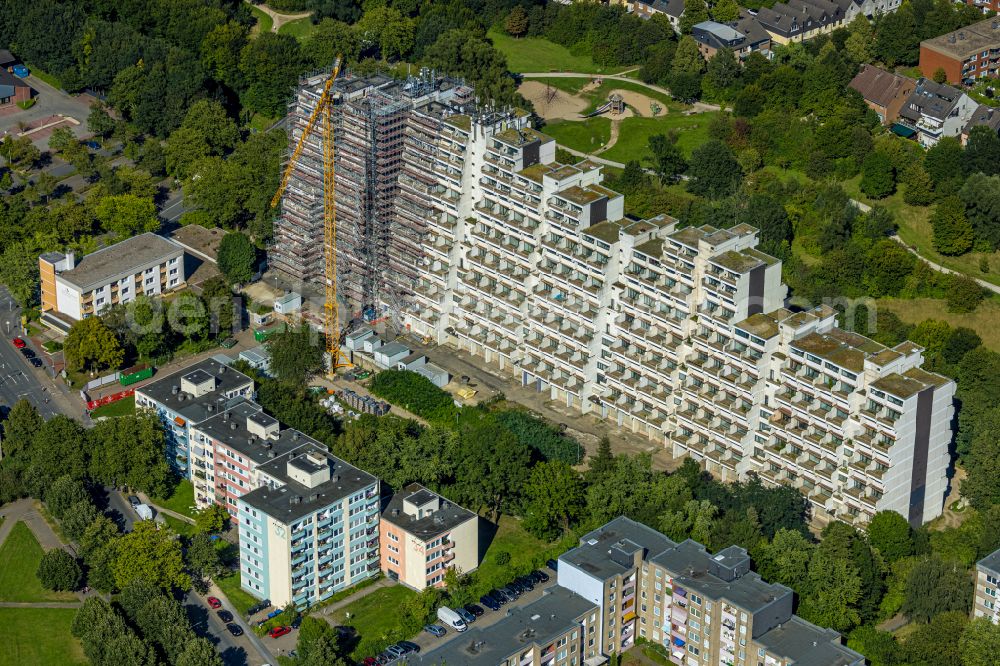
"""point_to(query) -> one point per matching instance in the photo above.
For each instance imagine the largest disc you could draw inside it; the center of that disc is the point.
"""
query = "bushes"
(59, 571)
(415, 393)
(542, 436)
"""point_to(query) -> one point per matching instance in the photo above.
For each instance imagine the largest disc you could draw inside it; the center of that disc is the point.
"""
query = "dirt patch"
(641, 105)
(552, 103)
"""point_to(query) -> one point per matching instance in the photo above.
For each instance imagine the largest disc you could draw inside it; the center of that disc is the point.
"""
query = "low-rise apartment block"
(742, 37)
(423, 535)
(187, 398)
(884, 92)
(309, 530)
(986, 603)
(703, 608)
(935, 110)
(966, 54)
(144, 264)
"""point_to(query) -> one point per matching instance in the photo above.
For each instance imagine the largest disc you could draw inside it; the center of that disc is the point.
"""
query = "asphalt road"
(119, 510)
(207, 624)
(17, 378)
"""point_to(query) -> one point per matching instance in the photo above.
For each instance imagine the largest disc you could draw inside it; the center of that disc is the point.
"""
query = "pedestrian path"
(360, 594)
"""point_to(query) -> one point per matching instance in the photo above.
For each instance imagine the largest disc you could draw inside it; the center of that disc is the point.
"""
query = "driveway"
(49, 102)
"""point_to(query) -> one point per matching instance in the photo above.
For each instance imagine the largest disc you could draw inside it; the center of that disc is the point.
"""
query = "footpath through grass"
(20, 555)
(300, 29)
(374, 616)
(39, 637)
(264, 22)
(181, 501)
(537, 54)
(634, 133)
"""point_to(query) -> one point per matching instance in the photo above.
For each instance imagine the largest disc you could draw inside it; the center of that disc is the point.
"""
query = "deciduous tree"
(554, 496)
(952, 231)
(91, 345)
(59, 570)
(150, 553)
(237, 258)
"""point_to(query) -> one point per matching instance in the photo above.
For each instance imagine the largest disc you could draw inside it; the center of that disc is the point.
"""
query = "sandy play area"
(554, 104)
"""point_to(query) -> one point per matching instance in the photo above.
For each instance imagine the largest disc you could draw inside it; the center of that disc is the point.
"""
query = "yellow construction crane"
(324, 111)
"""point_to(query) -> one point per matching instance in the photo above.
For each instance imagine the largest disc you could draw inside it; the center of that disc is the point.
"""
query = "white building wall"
(279, 571)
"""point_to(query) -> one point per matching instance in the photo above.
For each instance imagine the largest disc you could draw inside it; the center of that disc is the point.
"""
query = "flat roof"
(965, 42)
(539, 623)
(199, 240)
(592, 554)
(653, 247)
(760, 324)
(606, 231)
(124, 258)
(991, 562)
(292, 500)
(393, 348)
(840, 347)
(580, 195)
(738, 261)
(194, 409)
(230, 429)
(804, 644)
(448, 516)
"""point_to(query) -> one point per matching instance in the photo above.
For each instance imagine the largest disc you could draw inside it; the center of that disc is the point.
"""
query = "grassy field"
(599, 95)
(586, 135)
(53, 81)
(915, 230)
(182, 527)
(633, 136)
(372, 616)
(299, 28)
(526, 553)
(534, 54)
(264, 22)
(240, 599)
(123, 407)
(181, 501)
(984, 320)
(39, 637)
(19, 558)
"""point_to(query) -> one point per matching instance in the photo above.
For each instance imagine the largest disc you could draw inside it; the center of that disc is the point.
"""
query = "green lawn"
(300, 28)
(261, 123)
(240, 599)
(526, 553)
(535, 54)
(39, 637)
(983, 320)
(634, 133)
(374, 616)
(264, 22)
(123, 407)
(44, 76)
(19, 558)
(915, 230)
(182, 527)
(182, 501)
(586, 135)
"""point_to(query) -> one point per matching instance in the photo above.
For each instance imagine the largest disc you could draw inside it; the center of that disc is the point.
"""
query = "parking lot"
(50, 105)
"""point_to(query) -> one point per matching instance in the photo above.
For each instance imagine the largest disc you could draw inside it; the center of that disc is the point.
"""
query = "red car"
(19, 343)
(214, 603)
(279, 631)
(370, 661)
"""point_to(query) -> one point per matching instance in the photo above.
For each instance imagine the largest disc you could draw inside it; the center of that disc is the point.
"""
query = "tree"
(329, 39)
(516, 23)
(19, 429)
(668, 160)
(554, 496)
(315, 639)
(722, 73)
(860, 44)
(220, 52)
(713, 170)
(890, 534)
(937, 642)
(19, 271)
(270, 65)
(936, 586)
(237, 258)
(981, 196)
(834, 590)
(982, 151)
(896, 38)
(59, 570)
(128, 451)
(64, 493)
(490, 466)
(602, 462)
(687, 58)
(91, 345)
(963, 293)
(725, 11)
(952, 231)
(211, 520)
(945, 163)
(150, 553)
(877, 176)
(203, 557)
(918, 188)
(387, 28)
(78, 518)
(126, 215)
(20, 153)
(695, 11)
(940, 76)
(199, 652)
(295, 355)
(206, 130)
(887, 266)
(767, 214)
(980, 486)
(980, 642)
(785, 559)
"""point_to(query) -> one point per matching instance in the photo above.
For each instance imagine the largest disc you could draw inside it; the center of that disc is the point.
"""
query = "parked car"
(395, 651)
(27, 353)
(553, 565)
(134, 501)
(491, 603)
(277, 632)
(452, 619)
(369, 661)
(517, 587)
(228, 343)
(224, 615)
(297, 622)
(214, 603)
(382, 659)
(509, 593)
(19, 343)
(235, 629)
(408, 647)
(476, 611)
(259, 607)
(540, 576)
(465, 615)
(435, 630)
(35, 362)
(20, 71)
(525, 582)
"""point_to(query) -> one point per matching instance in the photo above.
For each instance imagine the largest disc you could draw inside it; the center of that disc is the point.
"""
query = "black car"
(408, 647)
(225, 615)
(296, 623)
(526, 582)
(234, 629)
(518, 587)
(477, 611)
(509, 593)
(36, 362)
(552, 564)
(259, 607)
(27, 352)
(539, 576)
(490, 602)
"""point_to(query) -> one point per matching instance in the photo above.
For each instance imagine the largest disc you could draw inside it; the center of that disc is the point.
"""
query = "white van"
(452, 619)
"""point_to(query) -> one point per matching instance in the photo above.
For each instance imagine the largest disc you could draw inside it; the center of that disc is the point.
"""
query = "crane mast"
(323, 115)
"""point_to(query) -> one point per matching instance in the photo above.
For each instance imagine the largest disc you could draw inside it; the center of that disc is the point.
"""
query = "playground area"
(552, 102)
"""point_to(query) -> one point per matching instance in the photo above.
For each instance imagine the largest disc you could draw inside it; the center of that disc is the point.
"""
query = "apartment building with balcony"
(550, 631)
(72, 290)
(985, 602)
(309, 530)
(228, 449)
(935, 110)
(966, 55)
(703, 608)
(186, 399)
